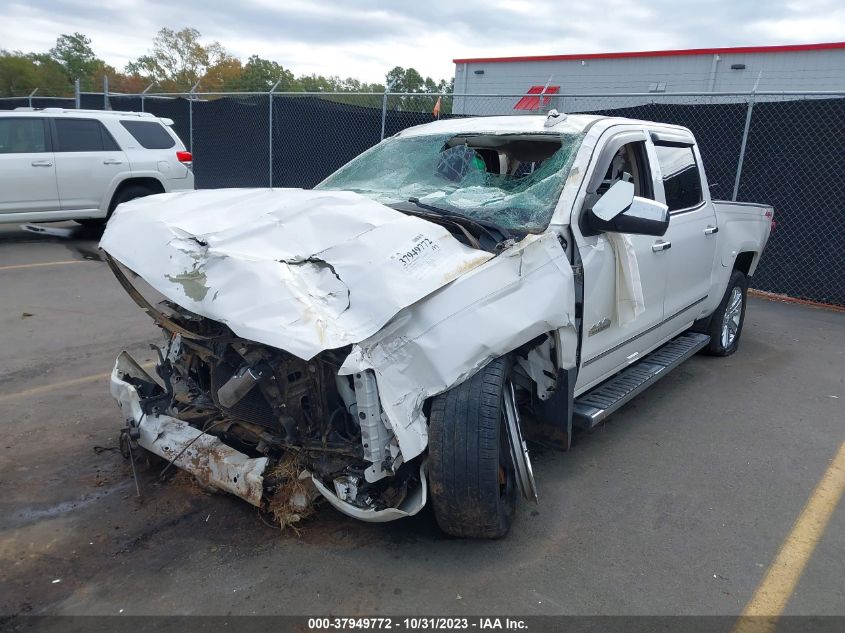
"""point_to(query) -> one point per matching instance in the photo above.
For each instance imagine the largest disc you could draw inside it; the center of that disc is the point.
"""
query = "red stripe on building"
(789, 48)
(533, 103)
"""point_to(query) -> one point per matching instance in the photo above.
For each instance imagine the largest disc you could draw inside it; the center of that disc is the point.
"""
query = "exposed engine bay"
(309, 422)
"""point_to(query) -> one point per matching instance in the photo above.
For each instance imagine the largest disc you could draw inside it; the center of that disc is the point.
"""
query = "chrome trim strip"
(643, 333)
(698, 206)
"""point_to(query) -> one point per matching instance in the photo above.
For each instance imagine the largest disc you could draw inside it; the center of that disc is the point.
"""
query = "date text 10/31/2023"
(417, 623)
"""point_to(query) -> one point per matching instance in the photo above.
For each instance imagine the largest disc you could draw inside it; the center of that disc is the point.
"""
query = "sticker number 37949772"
(421, 250)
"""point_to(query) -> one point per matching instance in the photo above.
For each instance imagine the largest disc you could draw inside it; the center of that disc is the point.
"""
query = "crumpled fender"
(446, 337)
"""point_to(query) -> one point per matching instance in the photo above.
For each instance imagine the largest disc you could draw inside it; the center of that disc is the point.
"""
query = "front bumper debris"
(218, 465)
(208, 459)
(409, 507)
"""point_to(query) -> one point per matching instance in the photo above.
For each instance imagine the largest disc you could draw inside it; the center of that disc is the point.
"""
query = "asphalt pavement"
(677, 505)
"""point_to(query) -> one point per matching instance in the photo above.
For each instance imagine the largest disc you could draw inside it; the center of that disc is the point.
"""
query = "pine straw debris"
(293, 499)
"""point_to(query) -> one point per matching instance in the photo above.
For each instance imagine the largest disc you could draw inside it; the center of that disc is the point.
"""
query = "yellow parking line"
(777, 586)
(56, 386)
(39, 265)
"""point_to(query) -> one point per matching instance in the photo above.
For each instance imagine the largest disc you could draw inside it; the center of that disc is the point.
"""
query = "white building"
(802, 67)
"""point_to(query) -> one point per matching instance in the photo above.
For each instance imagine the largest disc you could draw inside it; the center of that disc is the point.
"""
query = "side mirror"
(614, 201)
(643, 217)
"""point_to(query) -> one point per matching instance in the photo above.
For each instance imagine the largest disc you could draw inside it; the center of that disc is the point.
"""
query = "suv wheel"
(123, 195)
(473, 483)
(726, 322)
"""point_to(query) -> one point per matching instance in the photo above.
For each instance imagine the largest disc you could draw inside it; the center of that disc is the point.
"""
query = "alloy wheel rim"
(733, 314)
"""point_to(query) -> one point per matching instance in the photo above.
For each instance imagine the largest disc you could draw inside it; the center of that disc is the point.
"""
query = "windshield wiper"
(487, 227)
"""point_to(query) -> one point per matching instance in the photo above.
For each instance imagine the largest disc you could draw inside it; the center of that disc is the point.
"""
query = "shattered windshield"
(511, 180)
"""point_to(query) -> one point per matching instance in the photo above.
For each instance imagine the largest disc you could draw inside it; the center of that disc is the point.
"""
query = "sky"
(366, 38)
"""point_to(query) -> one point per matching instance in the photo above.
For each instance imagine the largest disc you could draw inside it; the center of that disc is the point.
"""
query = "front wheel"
(726, 322)
(473, 483)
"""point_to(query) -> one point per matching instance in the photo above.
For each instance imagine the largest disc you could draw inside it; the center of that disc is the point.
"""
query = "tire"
(123, 195)
(473, 484)
(725, 325)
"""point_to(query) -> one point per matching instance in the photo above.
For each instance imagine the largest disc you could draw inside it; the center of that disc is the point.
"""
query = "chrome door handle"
(661, 246)
(111, 161)
(41, 163)
(710, 230)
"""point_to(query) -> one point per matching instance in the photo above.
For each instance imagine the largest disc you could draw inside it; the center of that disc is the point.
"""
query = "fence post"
(270, 129)
(76, 94)
(742, 148)
(106, 92)
(388, 86)
(383, 112)
(745, 138)
(144, 93)
(191, 117)
(190, 123)
(32, 94)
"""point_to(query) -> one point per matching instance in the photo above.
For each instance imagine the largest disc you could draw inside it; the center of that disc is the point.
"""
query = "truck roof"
(521, 124)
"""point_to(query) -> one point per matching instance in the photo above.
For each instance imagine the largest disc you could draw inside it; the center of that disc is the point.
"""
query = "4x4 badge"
(598, 327)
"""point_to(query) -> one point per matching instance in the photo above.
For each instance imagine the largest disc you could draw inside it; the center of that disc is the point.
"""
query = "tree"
(355, 85)
(50, 75)
(405, 80)
(20, 74)
(17, 74)
(178, 59)
(227, 74)
(77, 58)
(316, 83)
(408, 80)
(120, 82)
(259, 75)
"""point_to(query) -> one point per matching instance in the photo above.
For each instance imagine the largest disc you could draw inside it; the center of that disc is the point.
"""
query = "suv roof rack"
(147, 115)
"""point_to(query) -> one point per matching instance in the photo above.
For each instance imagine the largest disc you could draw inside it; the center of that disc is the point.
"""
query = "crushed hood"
(299, 270)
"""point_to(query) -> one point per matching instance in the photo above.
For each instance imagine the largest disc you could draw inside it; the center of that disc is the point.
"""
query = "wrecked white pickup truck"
(394, 333)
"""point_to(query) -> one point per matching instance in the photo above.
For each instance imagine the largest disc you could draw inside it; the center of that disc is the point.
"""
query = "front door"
(609, 342)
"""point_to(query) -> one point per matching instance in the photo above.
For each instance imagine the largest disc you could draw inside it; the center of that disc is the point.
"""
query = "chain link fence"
(781, 149)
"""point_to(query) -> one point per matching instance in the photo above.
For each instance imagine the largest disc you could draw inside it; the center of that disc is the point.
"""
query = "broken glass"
(479, 176)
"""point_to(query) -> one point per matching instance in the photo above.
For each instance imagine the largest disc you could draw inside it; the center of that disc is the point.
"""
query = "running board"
(595, 405)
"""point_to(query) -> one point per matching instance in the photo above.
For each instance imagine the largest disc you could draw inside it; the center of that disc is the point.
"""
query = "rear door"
(692, 229)
(88, 161)
(27, 166)
(153, 147)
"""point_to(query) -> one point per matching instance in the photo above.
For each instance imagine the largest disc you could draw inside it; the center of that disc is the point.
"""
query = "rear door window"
(681, 179)
(83, 135)
(150, 134)
(22, 136)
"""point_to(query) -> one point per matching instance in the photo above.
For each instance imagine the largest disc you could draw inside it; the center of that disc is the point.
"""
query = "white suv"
(58, 164)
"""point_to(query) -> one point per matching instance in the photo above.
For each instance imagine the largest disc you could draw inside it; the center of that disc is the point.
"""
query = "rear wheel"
(473, 483)
(124, 195)
(726, 323)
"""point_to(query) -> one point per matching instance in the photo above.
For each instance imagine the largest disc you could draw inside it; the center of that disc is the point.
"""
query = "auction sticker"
(420, 255)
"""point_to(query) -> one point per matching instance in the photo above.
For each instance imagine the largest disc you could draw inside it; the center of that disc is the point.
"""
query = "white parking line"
(42, 264)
